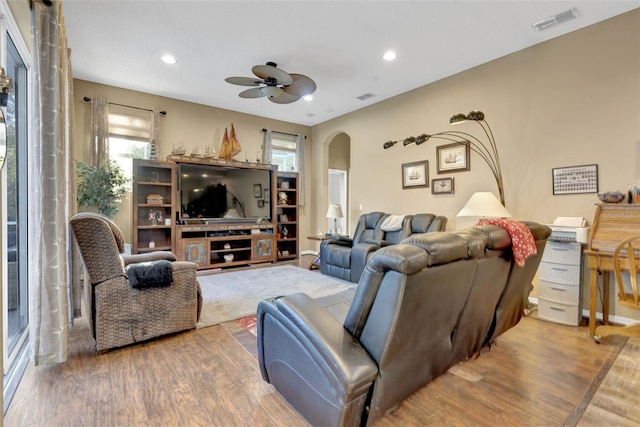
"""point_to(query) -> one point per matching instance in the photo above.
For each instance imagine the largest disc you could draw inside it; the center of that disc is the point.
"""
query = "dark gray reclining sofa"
(345, 257)
(421, 307)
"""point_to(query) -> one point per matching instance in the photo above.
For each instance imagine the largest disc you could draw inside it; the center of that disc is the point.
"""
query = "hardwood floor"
(538, 374)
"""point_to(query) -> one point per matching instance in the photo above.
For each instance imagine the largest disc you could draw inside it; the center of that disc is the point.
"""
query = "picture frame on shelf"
(415, 174)
(442, 186)
(261, 203)
(257, 191)
(575, 179)
(454, 157)
(284, 218)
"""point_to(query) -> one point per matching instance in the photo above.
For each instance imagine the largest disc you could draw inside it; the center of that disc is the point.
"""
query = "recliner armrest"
(341, 240)
(381, 243)
(148, 257)
(325, 341)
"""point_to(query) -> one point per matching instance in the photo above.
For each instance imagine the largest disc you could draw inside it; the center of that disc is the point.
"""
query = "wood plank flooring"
(537, 374)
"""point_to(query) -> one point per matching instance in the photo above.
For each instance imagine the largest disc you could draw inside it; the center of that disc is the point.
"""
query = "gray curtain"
(99, 131)
(51, 183)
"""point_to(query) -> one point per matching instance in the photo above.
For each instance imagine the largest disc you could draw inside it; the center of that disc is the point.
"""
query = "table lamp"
(335, 212)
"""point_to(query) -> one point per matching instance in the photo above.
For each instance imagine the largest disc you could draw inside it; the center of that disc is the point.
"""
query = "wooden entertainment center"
(159, 223)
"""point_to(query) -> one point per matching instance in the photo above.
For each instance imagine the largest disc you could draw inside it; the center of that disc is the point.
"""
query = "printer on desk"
(569, 229)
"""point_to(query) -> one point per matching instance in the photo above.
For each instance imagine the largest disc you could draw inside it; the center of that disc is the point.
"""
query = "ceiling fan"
(278, 85)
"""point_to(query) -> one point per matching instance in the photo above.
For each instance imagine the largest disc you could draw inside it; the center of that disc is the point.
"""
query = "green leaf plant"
(101, 187)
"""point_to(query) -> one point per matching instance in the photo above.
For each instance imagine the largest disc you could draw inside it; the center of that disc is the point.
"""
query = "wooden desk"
(612, 223)
(316, 261)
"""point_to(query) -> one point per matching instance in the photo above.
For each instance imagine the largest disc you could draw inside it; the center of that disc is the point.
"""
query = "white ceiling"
(339, 44)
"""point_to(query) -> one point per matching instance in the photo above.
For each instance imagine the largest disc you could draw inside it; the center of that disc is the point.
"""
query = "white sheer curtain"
(99, 131)
(51, 183)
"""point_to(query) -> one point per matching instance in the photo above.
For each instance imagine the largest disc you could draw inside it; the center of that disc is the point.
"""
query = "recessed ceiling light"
(168, 59)
(308, 98)
(389, 55)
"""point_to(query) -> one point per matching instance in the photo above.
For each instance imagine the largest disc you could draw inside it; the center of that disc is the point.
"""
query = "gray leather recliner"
(421, 307)
(345, 257)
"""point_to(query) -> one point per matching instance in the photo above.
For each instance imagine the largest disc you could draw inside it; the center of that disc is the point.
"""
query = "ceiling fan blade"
(243, 81)
(266, 71)
(284, 98)
(259, 92)
(301, 86)
(254, 92)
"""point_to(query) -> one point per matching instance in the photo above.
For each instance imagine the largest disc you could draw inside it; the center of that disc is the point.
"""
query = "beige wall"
(571, 101)
(194, 125)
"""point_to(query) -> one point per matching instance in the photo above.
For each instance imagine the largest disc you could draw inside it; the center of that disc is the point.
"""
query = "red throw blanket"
(522, 241)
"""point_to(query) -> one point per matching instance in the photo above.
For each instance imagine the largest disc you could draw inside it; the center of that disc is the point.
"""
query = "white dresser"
(560, 280)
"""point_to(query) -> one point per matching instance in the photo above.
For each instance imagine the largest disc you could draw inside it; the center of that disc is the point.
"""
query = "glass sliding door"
(15, 214)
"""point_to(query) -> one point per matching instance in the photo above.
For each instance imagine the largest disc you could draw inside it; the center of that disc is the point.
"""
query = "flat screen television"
(211, 193)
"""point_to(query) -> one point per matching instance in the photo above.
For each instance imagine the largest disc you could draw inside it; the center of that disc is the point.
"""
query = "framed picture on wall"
(261, 203)
(575, 179)
(453, 157)
(415, 174)
(442, 186)
(257, 191)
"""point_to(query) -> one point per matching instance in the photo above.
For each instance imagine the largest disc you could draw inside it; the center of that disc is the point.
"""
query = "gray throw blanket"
(153, 274)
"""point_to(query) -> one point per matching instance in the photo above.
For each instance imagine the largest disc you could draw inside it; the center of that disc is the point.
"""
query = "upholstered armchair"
(345, 257)
(123, 308)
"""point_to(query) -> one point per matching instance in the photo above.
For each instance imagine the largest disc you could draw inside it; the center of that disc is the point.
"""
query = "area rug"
(233, 295)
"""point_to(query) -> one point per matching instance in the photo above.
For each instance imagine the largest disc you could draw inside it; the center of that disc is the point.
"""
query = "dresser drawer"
(565, 294)
(560, 273)
(558, 313)
(562, 252)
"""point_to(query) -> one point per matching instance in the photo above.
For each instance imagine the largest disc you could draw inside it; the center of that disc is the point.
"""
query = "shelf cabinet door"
(263, 247)
(194, 250)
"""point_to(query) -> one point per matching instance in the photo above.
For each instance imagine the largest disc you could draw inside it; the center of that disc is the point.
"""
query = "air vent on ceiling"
(365, 96)
(556, 19)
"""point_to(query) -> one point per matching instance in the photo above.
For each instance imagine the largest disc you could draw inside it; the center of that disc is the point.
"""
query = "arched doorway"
(338, 175)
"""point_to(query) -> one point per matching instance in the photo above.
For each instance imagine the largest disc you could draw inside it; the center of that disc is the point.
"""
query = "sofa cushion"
(392, 223)
(441, 246)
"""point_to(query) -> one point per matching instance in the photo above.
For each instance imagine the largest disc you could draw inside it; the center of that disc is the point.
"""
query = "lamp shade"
(484, 204)
(334, 211)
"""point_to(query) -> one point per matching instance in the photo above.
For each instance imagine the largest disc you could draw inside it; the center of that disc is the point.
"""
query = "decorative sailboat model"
(230, 145)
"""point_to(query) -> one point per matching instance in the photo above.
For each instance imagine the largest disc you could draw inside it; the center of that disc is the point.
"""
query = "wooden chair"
(626, 258)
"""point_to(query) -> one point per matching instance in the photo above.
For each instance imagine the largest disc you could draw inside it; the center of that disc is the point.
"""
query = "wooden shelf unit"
(287, 228)
(207, 244)
(150, 219)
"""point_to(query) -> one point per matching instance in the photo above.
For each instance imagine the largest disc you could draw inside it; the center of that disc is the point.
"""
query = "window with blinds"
(283, 152)
(129, 135)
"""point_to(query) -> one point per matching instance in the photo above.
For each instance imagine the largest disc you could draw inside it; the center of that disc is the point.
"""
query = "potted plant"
(101, 187)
